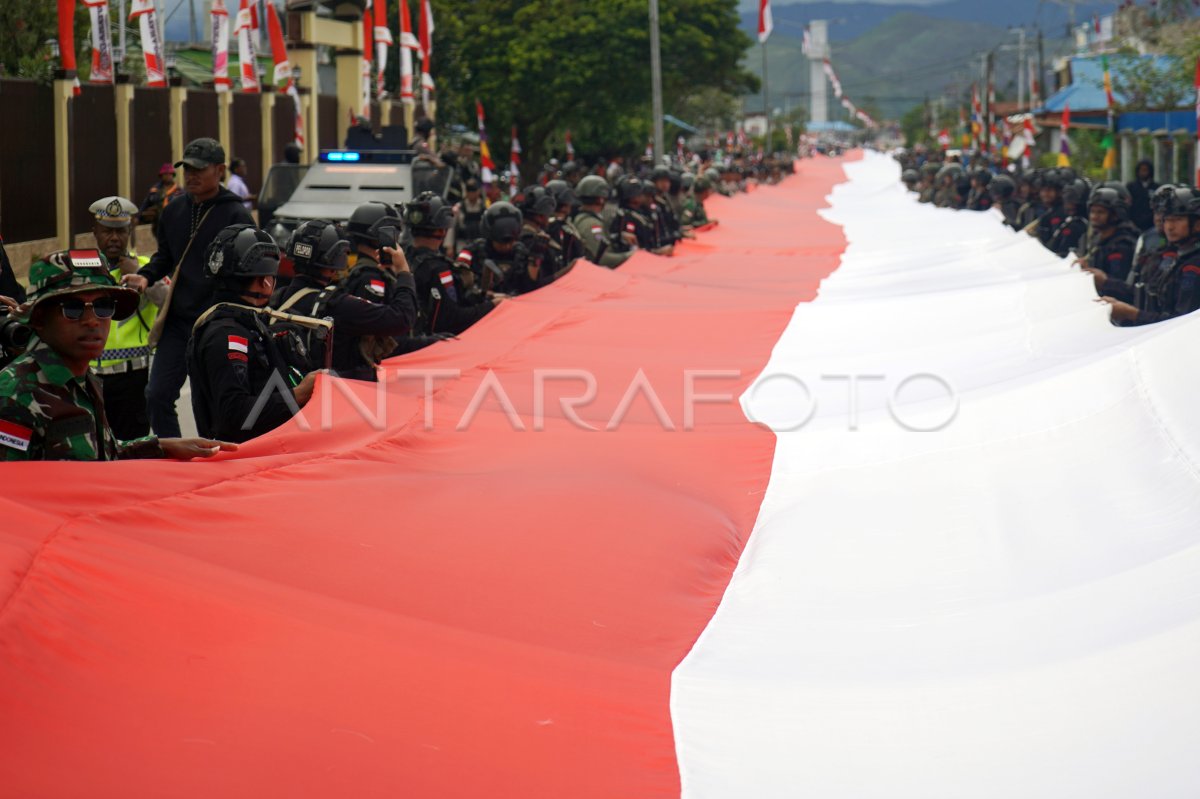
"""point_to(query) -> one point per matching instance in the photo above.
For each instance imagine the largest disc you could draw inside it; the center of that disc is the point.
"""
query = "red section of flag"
(491, 613)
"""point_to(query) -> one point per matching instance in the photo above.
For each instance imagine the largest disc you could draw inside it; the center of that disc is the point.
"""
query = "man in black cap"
(187, 226)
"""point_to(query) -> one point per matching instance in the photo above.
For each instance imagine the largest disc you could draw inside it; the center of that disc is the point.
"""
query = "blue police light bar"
(366, 156)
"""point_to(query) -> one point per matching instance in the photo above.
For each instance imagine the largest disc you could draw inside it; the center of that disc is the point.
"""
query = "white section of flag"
(1006, 607)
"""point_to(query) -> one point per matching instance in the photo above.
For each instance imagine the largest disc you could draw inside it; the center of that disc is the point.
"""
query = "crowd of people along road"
(1139, 240)
(99, 346)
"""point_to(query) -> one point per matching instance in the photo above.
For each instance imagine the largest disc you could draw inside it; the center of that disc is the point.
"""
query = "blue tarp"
(1170, 121)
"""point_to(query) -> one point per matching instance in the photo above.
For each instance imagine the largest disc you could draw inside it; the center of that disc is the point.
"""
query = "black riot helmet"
(375, 224)
(1110, 200)
(318, 245)
(537, 201)
(1180, 201)
(1002, 187)
(501, 222)
(629, 189)
(562, 193)
(240, 252)
(1076, 193)
(428, 215)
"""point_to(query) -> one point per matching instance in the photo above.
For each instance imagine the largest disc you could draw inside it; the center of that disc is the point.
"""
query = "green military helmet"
(591, 188)
(67, 272)
(713, 174)
(703, 183)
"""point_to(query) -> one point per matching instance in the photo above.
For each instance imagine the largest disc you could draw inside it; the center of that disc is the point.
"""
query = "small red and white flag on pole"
(514, 162)
(425, 31)
(247, 58)
(102, 63)
(368, 75)
(220, 46)
(765, 22)
(283, 70)
(383, 40)
(408, 45)
(570, 146)
(143, 11)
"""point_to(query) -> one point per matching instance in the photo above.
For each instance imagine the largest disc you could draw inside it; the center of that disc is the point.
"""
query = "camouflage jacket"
(49, 414)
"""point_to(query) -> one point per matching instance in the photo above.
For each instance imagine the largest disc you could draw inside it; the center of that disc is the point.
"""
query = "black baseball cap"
(200, 153)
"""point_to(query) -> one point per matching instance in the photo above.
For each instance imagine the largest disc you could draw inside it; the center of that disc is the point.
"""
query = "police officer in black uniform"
(1170, 285)
(319, 251)
(538, 206)
(380, 275)
(445, 293)
(1112, 239)
(500, 262)
(1067, 235)
(1003, 189)
(561, 229)
(244, 381)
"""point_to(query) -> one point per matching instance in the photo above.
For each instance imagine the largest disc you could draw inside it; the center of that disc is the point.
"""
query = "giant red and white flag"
(810, 527)
(766, 23)
(152, 50)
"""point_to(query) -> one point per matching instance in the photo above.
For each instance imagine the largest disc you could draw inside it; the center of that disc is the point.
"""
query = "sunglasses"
(103, 308)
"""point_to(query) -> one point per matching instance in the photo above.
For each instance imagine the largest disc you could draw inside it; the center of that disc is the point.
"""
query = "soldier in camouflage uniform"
(51, 405)
(593, 191)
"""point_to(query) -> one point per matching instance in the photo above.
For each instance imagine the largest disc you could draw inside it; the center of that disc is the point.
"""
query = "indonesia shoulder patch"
(466, 257)
(446, 278)
(239, 344)
(15, 436)
(377, 287)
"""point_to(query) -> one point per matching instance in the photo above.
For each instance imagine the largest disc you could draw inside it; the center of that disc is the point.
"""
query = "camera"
(14, 337)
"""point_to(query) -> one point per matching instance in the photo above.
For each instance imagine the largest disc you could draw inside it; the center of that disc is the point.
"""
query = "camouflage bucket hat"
(74, 272)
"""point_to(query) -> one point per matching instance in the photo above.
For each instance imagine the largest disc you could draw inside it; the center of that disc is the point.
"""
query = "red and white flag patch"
(465, 256)
(596, 230)
(446, 278)
(377, 287)
(15, 436)
(630, 227)
(239, 344)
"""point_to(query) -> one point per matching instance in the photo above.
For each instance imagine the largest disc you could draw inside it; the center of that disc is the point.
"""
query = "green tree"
(27, 26)
(581, 65)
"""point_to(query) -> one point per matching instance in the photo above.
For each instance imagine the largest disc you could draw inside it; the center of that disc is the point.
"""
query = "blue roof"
(1086, 92)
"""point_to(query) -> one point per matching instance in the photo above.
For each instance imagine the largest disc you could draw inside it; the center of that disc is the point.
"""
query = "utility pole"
(766, 103)
(989, 100)
(656, 81)
(192, 11)
(1021, 70)
(1043, 91)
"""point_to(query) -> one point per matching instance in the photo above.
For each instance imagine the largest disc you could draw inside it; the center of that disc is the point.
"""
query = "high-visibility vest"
(128, 345)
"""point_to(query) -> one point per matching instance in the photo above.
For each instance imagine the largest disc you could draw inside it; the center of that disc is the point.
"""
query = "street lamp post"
(656, 81)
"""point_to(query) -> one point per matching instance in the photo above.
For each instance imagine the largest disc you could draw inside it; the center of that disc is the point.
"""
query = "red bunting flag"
(765, 21)
(283, 70)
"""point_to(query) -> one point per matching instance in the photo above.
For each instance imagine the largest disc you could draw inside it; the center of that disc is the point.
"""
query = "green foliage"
(581, 65)
(27, 25)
